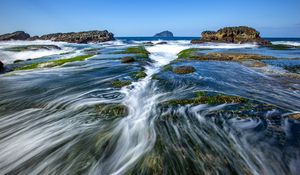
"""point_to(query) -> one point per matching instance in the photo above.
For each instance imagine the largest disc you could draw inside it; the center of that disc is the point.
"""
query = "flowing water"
(49, 122)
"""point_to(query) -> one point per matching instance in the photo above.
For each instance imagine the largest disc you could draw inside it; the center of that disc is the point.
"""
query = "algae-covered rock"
(120, 83)
(111, 110)
(207, 98)
(193, 54)
(140, 51)
(184, 69)
(53, 63)
(139, 75)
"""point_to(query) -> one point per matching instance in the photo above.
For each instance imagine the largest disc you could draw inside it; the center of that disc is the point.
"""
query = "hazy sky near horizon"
(273, 18)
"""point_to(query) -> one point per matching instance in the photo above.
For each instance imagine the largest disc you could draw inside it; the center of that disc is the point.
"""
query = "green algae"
(120, 83)
(139, 75)
(111, 110)
(187, 53)
(205, 98)
(140, 51)
(54, 63)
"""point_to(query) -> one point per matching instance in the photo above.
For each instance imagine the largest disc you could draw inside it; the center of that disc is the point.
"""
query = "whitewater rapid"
(136, 132)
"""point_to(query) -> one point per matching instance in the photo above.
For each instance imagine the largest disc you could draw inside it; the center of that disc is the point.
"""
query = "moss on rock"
(120, 83)
(54, 63)
(111, 110)
(138, 75)
(205, 98)
(140, 51)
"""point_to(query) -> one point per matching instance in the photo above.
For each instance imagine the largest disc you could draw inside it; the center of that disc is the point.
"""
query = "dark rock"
(19, 35)
(33, 48)
(80, 37)
(163, 42)
(1, 67)
(184, 69)
(164, 34)
(128, 60)
(148, 43)
(33, 38)
(18, 61)
(240, 34)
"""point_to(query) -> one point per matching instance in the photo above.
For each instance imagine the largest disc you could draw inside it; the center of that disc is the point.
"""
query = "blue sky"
(273, 18)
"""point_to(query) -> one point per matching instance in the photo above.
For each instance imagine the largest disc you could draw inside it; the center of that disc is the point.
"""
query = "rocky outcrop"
(1, 67)
(164, 34)
(19, 35)
(80, 37)
(240, 34)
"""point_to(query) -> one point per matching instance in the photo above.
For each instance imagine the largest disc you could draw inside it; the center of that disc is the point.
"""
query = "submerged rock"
(112, 110)
(1, 67)
(184, 70)
(32, 48)
(293, 69)
(240, 34)
(295, 116)
(193, 54)
(148, 43)
(120, 83)
(282, 47)
(253, 63)
(80, 37)
(164, 34)
(163, 42)
(128, 60)
(19, 35)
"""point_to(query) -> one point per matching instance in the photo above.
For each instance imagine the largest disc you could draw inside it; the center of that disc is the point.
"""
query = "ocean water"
(50, 122)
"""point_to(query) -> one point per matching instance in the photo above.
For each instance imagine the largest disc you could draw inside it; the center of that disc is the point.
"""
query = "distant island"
(164, 34)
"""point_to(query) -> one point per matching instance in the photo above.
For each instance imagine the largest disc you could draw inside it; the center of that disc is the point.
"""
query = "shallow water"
(49, 124)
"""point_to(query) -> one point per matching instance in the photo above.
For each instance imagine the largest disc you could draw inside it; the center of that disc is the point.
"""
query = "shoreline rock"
(80, 37)
(72, 37)
(239, 35)
(18, 35)
(164, 34)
